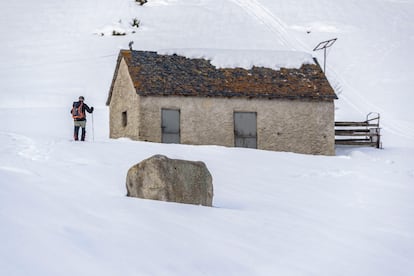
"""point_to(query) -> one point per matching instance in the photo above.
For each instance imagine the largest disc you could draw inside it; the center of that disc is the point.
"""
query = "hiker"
(79, 117)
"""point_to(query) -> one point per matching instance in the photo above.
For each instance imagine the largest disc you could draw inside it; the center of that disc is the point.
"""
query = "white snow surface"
(225, 58)
(63, 209)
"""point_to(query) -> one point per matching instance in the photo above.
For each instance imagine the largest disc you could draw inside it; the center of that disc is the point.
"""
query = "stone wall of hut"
(282, 125)
(123, 109)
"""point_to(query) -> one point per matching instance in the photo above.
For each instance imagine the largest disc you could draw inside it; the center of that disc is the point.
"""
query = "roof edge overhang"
(268, 97)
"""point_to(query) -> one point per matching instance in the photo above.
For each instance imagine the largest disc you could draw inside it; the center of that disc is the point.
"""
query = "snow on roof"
(223, 58)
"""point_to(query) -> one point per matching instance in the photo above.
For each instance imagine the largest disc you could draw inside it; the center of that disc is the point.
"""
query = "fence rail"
(365, 133)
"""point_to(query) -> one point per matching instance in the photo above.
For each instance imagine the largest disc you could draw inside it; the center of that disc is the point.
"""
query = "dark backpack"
(77, 110)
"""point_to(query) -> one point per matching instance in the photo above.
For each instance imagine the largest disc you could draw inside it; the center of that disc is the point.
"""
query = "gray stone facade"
(124, 100)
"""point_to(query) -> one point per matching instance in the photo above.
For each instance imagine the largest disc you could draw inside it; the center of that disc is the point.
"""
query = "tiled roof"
(165, 75)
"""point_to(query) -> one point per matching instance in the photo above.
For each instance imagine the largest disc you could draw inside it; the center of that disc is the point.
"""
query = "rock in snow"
(162, 178)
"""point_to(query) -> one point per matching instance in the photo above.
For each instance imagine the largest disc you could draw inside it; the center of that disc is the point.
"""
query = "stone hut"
(173, 99)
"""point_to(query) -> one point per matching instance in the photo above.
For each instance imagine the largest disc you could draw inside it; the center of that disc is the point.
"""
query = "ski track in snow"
(279, 28)
(25, 147)
(271, 21)
(360, 104)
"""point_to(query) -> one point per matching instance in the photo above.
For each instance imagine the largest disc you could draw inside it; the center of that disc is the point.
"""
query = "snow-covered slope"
(63, 209)
(53, 51)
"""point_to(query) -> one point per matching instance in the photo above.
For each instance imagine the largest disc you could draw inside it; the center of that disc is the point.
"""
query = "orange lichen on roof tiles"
(162, 75)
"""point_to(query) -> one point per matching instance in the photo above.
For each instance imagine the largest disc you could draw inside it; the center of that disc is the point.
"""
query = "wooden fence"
(365, 133)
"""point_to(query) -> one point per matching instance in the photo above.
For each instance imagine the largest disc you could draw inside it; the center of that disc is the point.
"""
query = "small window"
(124, 119)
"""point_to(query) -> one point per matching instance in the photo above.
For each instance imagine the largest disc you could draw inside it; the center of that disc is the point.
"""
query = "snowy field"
(63, 209)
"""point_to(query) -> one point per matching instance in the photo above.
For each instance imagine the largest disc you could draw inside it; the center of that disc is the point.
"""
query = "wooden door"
(245, 129)
(170, 125)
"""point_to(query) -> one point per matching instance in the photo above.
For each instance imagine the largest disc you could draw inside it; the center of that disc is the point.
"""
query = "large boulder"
(162, 178)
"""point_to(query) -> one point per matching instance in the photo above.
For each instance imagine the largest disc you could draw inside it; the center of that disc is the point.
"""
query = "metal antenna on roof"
(323, 45)
(130, 45)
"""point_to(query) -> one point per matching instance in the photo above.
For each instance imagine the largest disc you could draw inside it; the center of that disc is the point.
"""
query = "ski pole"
(93, 130)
